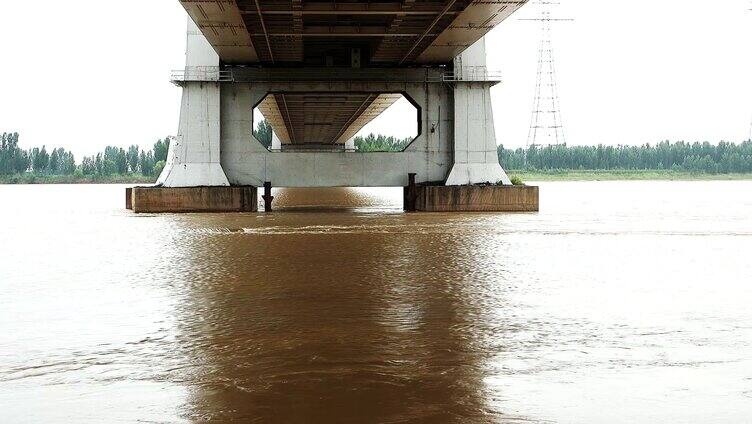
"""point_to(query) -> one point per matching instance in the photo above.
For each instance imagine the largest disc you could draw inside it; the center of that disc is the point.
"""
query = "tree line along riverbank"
(623, 175)
(522, 175)
(680, 157)
(114, 164)
(662, 161)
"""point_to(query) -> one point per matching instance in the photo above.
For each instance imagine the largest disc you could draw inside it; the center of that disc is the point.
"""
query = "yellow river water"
(620, 302)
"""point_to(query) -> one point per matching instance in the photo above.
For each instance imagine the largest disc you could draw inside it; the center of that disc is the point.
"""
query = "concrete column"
(276, 142)
(472, 60)
(475, 157)
(194, 156)
(350, 145)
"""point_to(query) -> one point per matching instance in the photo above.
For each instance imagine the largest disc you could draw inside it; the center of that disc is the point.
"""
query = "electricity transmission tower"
(546, 125)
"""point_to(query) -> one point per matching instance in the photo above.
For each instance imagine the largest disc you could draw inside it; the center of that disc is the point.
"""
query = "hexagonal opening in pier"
(336, 121)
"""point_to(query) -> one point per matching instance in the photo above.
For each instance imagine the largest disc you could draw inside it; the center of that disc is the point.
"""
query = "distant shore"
(624, 175)
(561, 175)
(73, 179)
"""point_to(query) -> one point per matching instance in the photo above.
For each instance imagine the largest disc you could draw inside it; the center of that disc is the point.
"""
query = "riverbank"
(624, 175)
(561, 175)
(73, 179)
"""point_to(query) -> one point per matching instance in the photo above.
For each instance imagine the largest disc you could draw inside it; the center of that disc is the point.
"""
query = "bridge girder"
(324, 32)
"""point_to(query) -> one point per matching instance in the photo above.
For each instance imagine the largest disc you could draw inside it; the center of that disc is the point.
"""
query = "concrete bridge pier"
(216, 163)
(475, 159)
(350, 145)
(193, 158)
(276, 142)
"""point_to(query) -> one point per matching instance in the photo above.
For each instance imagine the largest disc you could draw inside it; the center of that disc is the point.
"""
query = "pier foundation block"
(193, 199)
(476, 198)
(129, 198)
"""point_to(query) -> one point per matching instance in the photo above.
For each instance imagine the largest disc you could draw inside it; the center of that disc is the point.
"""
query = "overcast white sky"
(87, 73)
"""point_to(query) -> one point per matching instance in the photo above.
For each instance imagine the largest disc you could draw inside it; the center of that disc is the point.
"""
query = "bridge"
(319, 71)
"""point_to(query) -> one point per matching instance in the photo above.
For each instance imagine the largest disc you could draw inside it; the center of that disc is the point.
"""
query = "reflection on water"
(340, 199)
(619, 302)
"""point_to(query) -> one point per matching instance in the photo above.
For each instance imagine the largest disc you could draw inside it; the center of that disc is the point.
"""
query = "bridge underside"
(316, 118)
(349, 34)
(336, 33)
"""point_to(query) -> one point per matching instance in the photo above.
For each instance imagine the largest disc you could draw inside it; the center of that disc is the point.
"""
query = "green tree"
(88, 166)
(161, 148)
(21, 161)
(40, 160)
(110, 153)
(158, 167)
(132, 157)
(121, 162)
(109, 167)
(99, 164)
(146, 163)
(54, 166)
(117, 156)
(380, 143)
(263, 133)
(12, 158)
(67, 163)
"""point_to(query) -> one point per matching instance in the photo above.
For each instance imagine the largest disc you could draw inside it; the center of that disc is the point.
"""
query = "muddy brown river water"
(620, 302)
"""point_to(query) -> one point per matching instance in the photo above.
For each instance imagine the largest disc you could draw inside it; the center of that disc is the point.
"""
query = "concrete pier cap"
(441, 69)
